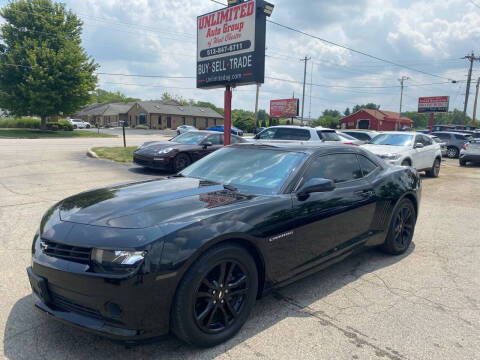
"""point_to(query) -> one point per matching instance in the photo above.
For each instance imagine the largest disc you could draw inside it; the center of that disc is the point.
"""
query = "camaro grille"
(66, 252)
(68, 305)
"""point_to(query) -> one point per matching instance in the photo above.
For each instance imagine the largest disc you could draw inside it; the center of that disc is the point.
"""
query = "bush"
(53, 126)
(20, 123)
(142, 127)
(65, 125)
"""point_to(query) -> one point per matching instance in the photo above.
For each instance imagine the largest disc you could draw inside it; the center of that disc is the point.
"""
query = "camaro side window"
(339, 168)
(366, 165)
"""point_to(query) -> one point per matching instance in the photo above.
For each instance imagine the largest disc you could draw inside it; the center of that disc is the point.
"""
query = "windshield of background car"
(393, 139)
(189, 138)
(251, 170)
(328, 135)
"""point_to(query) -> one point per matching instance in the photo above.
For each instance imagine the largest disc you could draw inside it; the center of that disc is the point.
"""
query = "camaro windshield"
(393, 139)
(251, 170)
(189, 138)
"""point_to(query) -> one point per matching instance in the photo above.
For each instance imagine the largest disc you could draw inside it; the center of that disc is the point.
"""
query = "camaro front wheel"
(215, 297)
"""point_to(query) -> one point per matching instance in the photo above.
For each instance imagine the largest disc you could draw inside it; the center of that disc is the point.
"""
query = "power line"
(478, 6)
(148, 76)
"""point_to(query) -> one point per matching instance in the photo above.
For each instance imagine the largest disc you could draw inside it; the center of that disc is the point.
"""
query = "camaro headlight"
(165, 151)
(116, 261)
(391, 156)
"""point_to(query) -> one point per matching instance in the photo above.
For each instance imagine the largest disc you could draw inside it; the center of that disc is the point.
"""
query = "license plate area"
(39, 286)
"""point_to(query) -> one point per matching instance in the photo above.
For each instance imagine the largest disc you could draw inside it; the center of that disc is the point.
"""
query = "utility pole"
(471, 58)
(475, 104)
(304, 81)
(256, 106)
(310, 105)
(402, 79)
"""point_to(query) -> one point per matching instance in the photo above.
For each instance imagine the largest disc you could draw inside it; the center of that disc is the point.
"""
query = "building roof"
(160, 107)
(382, 115)
(108, 109)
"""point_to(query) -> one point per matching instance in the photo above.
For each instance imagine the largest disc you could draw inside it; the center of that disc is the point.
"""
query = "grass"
(37, 134)
(119, 154)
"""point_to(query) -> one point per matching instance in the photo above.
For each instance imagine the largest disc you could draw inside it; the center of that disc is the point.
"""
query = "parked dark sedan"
(179, 152)
(191, 253)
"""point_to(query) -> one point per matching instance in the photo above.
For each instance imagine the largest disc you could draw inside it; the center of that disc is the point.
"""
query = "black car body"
(287, 229)
(181, 151)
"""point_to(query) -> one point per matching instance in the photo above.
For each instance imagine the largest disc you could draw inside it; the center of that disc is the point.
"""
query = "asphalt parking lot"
(422, 305)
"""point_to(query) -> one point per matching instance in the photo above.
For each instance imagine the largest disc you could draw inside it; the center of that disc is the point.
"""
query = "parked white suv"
(79, 124)
(408, 149)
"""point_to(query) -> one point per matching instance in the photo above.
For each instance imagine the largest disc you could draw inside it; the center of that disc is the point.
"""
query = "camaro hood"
(148, 203)
(384, 149)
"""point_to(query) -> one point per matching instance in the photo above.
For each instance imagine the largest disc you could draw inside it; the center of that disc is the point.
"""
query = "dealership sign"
(433, 104)
(231, 46)
(284, 108)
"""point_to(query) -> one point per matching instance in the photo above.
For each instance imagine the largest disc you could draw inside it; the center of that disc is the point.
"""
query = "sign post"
(432, 105)
(231, 49)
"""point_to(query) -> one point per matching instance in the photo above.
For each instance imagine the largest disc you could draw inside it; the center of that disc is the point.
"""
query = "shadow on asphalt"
(31, 335)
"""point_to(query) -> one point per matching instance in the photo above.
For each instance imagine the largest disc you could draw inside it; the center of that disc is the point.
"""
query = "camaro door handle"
(365, 193)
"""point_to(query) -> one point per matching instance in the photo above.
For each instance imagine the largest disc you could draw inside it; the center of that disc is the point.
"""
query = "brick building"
(170, 115)
(105, 114)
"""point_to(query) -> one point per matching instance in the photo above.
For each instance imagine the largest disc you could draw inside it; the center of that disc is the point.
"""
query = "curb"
(92, 154)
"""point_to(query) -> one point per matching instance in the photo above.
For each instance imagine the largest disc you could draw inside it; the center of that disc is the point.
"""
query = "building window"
(194, 122)
(160, 120)
(214, 122)
(183, 120)
(206, 123)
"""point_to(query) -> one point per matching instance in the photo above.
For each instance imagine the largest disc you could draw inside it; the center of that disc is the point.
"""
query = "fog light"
(114, 310)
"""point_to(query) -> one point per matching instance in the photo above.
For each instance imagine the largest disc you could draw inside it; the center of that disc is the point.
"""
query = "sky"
(158, 37)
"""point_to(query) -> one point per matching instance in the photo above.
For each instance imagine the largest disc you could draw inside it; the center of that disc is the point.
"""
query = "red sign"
(284, 108)
(433, 104)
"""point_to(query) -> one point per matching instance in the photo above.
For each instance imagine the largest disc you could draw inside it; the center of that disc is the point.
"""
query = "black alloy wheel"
(452, 152)
(221, 297)
(180, 162)
(401, 228)
(216, 296)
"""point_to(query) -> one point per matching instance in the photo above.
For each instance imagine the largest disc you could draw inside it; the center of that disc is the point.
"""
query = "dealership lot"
(423, 305)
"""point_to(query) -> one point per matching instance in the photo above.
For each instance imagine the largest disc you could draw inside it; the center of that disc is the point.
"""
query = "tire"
(201, 320)
(435, 170)
(401, 228)
(74, 126)
(88, 126)
(452, 152)
(180, 162)
(462, 162)
(406, 162)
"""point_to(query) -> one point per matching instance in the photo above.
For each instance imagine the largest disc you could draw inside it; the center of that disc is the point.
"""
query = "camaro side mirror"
(419, 146)
(315, 185)
(207, 144)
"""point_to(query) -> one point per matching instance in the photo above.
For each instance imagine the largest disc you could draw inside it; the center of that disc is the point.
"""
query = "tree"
(347, 112)
(168, 97)
(366, 106)
(243, 120)
(103, 96)
(332, 113)
(44, 70)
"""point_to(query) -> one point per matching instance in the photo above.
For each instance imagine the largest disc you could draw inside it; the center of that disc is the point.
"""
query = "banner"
(433, 104)
(284, 108)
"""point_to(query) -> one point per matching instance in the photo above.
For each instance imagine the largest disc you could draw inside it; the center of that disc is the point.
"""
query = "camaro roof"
(309, 147)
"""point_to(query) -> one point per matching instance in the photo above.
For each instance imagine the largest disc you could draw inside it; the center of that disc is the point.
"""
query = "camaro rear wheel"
(435, 170)
(402, 226)
(180, 162)
(215, 297)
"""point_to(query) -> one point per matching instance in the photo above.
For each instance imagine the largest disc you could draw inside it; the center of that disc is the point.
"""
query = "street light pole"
(402, 79)
(304, 82)
(475, 104)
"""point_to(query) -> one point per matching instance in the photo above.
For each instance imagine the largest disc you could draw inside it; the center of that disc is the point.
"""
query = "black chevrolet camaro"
(190, 254)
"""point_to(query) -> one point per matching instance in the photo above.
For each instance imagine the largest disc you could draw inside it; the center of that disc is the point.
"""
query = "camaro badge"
(281, 236)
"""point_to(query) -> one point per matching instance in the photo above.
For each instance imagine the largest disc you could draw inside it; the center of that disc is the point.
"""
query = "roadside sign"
(284, 108)
(433, 104)
(231, 46)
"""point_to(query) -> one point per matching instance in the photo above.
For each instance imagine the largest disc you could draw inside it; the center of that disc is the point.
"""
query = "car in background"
(470, 152)
(349, 140)
(79, 124)
(185, 128)
(443, 144)
(408, 149)
(181, 151)
(258, 130)
(364, 135)
(190, 254)
(220, 128)
(454, 141)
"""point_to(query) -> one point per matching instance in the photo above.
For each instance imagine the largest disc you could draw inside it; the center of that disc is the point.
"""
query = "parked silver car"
(443, 144)
(470, 152)
(364, 135)
(185, 128)
(454, 141)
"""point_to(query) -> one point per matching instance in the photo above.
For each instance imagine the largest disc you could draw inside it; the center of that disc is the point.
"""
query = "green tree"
(167, 96)
(366, 106)
(44, 70)
(347, 112)
(332, 113)
(103, 96)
